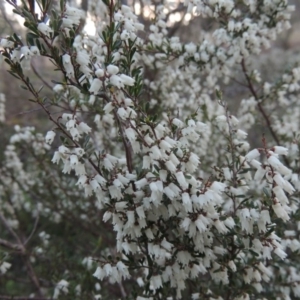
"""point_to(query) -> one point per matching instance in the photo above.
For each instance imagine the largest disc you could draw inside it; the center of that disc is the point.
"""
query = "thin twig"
(29, 111)
(260, 107)
(34, 228)
(40, 77)
(10, 245)
(29, 267)
(12, 232)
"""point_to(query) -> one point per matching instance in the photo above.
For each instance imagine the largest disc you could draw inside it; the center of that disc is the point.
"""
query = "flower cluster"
(147, 148)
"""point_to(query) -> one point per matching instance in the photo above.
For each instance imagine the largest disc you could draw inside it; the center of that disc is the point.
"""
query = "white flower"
(280, 253)
(56, 157)
(99, 273)
(35, 50)
(253, 154)
(26, 52)
(117, 81)
(280, 212)
(140, 212)
(155, 152)
(170, 166)
(232, 265)
(50, 137)
(127, 80)
(66, 117)
(83, 58)
(79, 151)
(229, 222)
(279, 180)
(178, 123)
(241, 134)
(82, 180)
(280, 195)
(181, 180)
(123, 269)
(281, 150)
(75, 133)
(288, 187)
(63, 149)
(190, 48)
(4, 267)
(108, 164)
(112, 69)
(95, 86)
(156, 282)
(125, 35)
(186, 200)
(124, 180)
(108, 108)
(140, 282)
(79, 169)
(71, 124)
(66, 60)
(5, 43)
(131, 134)
(165, 145)
(84, 128)
(122, 113)
(218, 186)
(73, 159)
(220, 226)
(107, 215)
(94, 184)
(146, 162)
(141, 183)
(156, 186)
(15, 56)
(99, 73)
(44, 29)
(115, 192)
(259, 174)
(274, 161)
(61, 286)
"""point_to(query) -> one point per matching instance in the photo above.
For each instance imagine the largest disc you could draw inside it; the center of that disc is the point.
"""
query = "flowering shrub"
(152, 190)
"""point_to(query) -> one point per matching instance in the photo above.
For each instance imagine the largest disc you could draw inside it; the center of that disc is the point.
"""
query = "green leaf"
(267, 193)
(156, 168)
(40, 89)
(44, 4)
(219, 94)
(8, 61)
(117, 44)
(17, 39)
(30, 38)
(13, 74)
(246, 170)
(62, 5)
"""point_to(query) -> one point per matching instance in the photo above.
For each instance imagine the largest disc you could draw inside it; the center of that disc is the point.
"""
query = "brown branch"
(30, 270)
(40, 77)
(34, 228)
(127, 145)
(11, 246)
(12, 232)
(260, 107)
